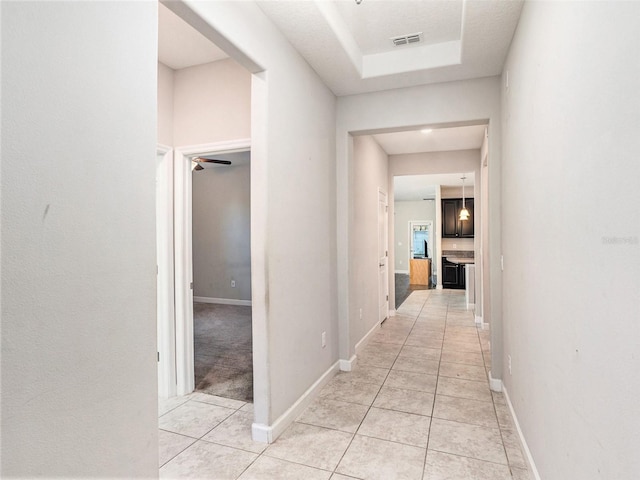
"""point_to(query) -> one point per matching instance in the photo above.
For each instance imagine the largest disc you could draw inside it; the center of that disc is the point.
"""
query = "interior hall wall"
(222, 232)
(211, 103)
(370, 175)
(293, 206)
(78, 266)
(570, 235)
(165, 105)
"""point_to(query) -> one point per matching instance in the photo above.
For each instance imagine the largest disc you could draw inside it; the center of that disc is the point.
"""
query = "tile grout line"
(435, 394)
(369, 407)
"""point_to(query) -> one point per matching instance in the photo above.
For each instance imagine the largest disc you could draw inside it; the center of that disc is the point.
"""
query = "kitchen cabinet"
(419, 271)
(452, 274)
(452, 226)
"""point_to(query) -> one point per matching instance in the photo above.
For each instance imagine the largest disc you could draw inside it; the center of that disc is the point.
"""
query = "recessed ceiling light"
(426, 130)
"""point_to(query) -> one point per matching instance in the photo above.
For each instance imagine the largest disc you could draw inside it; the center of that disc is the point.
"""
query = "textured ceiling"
(180, 45)
(373, 23)
(348, 44)
(438, 140)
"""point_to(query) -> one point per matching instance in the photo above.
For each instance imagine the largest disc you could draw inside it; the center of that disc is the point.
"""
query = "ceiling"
(437, 140)
(350, 46)
(420, 187)
(180, 45)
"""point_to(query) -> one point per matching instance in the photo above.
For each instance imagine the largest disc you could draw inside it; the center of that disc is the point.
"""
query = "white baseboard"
(495, 384)
(438, 287)
(367, 338)
(223, 301)
(392, 313)
(405, 272)
(532, 466)
(348, 365)
(269, 433)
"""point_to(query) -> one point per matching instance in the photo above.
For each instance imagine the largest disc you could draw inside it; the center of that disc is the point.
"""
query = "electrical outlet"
(502, 263)
(233, 284)
(455, 246)
(324, 339)
(360, 314)
(509, 363)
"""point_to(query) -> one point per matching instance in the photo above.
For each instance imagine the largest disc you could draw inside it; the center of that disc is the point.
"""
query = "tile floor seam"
(264, 453)
(371, 406)
(463, 398)
(365, 415)
(391, 441)
(472, 458)
(433, 406)
(228, 446)
(176, 433)
(179, 451)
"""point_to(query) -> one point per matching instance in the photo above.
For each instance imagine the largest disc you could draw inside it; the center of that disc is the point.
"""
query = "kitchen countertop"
(460, 260)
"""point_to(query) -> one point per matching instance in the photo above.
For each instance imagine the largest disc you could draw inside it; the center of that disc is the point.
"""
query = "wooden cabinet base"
(419, 271)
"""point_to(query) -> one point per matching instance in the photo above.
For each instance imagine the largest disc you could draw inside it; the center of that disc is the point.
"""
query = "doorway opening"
(204, 114)
(221, 259)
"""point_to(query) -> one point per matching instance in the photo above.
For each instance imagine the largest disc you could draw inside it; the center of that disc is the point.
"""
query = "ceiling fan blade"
(198, 167)
(213, 160)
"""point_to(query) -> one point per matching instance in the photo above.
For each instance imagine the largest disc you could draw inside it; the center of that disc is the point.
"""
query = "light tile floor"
(416, 407)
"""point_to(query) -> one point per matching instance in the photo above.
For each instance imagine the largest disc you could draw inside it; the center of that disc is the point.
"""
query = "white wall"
(404, 212)
(222, 232)
(165, 105)
(211, 103)
(570, 235)
(370, 174)
(79, 388)
(293, 212)
(440, 104)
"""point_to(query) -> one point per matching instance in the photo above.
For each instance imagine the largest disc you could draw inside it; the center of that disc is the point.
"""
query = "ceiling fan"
(200, 160)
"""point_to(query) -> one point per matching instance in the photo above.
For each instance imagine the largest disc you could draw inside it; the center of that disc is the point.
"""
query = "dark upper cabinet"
(452, 226)
(450, 218)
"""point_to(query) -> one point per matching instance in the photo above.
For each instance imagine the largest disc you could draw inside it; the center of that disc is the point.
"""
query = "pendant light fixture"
(464, 213)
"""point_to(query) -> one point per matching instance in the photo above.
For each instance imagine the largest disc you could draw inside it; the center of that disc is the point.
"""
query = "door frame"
(165, 287)
(183, 258)
(429, 223)
(385, 235)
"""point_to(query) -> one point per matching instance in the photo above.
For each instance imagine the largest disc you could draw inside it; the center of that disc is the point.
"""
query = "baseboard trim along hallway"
(348, 365)
(495, 384)
(525, 447)
(269, 433)
(223, 301)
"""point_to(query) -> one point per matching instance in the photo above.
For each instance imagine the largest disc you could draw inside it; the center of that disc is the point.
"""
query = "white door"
(383, 270)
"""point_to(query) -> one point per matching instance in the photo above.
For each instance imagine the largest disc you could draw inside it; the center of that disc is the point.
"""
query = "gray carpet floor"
(223, 350)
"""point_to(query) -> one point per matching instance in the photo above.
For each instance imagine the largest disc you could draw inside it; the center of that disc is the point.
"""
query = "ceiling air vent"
(407, 39)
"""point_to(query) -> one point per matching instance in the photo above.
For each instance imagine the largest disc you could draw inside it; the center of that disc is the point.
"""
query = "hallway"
(417, 406)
